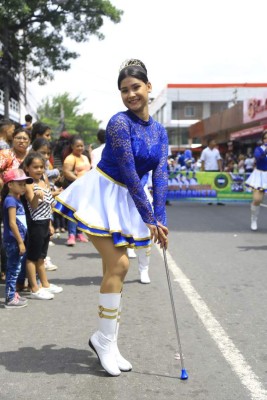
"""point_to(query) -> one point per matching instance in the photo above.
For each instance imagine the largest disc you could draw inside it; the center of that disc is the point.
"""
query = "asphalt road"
(218, 269)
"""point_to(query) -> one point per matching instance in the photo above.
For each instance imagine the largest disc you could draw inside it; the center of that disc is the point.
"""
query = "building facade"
(14, 108)
(181, 106)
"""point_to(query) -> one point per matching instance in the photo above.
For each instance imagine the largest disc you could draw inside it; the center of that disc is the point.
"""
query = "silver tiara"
(131, 62)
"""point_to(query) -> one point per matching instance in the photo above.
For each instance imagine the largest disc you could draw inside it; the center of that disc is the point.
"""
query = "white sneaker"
(131, 253)
(53, 289)
(42, 295)
(51, 243)
(144, 277)
(254, 226)
(49, 266)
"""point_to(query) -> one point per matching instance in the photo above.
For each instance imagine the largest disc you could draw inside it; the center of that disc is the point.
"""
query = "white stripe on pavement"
(224, 343)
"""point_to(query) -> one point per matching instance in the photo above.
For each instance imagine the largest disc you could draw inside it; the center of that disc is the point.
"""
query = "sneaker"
(42, 294)
(22, 299)
(53, 289)
(63, 230)
(49, 266)
(16, 302)
(254, 226)
(131, 253)
(51, 243)
(81, 238)
(144, 277)
(71, 240)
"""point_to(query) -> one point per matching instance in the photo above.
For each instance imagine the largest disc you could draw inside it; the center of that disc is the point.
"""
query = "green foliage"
(32, 32)
(62, 113)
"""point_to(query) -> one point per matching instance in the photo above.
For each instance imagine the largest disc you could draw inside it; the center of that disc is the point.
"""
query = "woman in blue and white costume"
(110, 204)
(258, 180)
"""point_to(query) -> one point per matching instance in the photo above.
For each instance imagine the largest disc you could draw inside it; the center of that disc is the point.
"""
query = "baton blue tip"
(184, 375)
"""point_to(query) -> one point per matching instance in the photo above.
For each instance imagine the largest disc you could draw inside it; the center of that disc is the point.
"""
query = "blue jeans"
(22, 274)
(72, 228)
(14, 260)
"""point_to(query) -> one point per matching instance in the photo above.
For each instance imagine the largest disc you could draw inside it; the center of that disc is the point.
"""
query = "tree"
(32, 33)
(62, 113)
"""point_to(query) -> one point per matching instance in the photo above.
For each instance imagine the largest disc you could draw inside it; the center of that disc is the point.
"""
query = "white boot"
(254, 217)
(131, 253)
(103, 340)
(143, 264)
(123, 364)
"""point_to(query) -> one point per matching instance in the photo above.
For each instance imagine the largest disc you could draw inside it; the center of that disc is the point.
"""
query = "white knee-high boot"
(103, 340)
(254, 217)
(131, 253)
(123, 364)
(143, 264)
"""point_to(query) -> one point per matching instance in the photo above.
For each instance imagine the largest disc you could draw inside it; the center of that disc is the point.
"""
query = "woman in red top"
(12, 158)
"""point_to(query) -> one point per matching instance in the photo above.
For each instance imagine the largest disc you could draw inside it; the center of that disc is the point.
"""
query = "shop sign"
(254, 109)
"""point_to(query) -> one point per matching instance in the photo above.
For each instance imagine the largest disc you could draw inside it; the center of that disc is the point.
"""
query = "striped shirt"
(44, 209)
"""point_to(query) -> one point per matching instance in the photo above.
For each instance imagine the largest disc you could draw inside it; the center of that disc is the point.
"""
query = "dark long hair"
(40, 142)
(39, 128)
(29, 159)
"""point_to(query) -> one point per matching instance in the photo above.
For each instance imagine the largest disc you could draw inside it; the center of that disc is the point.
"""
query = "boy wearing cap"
(15, 229)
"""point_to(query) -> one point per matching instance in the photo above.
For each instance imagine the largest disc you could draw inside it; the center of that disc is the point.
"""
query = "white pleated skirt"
(257, 180)
(103, 207)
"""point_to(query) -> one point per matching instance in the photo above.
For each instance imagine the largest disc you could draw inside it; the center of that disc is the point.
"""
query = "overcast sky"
(180, 41)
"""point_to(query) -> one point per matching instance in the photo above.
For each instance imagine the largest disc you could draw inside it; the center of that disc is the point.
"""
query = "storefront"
(239, 127)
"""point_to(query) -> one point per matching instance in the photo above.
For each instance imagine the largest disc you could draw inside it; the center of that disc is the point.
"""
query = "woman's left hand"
(159, 234)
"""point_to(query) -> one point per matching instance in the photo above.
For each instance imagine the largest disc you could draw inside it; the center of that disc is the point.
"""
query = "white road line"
(218, 334)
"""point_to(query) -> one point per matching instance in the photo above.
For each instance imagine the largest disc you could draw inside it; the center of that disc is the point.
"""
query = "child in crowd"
(15, 229)
(39, 204)
(7, 128)
(43, 146)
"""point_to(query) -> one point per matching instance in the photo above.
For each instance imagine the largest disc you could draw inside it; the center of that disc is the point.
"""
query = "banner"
(208, 186)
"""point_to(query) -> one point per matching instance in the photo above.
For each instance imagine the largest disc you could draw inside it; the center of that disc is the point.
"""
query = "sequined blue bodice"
(133, 148)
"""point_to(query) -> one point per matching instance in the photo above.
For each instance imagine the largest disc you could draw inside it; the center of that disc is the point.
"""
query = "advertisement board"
(208, 186)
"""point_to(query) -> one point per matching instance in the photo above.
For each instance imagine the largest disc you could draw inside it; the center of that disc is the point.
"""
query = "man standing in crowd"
(210, 158)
